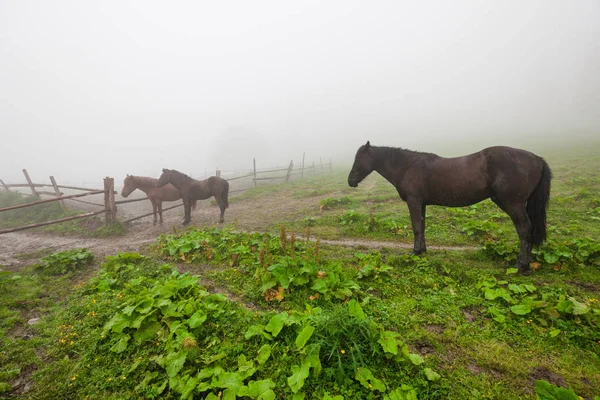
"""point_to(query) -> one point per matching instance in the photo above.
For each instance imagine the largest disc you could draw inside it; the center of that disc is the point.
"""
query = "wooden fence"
(240, 181)
(108, 207)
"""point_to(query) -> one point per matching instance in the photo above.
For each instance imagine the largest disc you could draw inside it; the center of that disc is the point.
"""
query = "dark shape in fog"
(191, 189)
(516, 180)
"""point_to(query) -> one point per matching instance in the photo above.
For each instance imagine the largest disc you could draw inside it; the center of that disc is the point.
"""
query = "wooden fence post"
(218, 172)
(109, 201)
(58, 193)
(33, 191)
(302, 171)
(289, 171)
(254, 161)
(4, 184)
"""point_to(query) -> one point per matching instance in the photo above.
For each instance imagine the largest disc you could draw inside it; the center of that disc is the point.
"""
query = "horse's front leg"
(187, 206)
(417, 217)
(153, 210)
(160, 211)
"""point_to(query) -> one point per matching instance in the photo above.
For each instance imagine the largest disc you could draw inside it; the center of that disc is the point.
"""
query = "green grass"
(462, 315)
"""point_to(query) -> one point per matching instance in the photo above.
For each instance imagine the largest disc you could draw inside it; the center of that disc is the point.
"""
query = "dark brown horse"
(516, 180)
(190, 189)
(156, 195)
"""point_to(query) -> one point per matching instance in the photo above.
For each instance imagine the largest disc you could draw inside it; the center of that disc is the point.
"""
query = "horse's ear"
(165, 170)
(127, 174)
(367, 145)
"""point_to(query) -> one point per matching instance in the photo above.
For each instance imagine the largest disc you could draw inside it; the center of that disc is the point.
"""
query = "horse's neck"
(182, 181)
(391, 162)
(145, 183)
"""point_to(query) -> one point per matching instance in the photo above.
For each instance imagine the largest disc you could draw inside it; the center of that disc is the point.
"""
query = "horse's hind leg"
(519, 217)
(222, 206)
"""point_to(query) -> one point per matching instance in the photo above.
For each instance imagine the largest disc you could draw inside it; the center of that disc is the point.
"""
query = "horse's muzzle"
(352, 183)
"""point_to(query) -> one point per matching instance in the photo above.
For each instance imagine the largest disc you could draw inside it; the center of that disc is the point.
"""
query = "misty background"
(95, 89)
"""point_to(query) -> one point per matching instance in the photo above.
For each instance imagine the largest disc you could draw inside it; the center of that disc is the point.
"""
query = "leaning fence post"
(33, 191)
(58, 193)
(4, 184)
(109, 201)
(289, 172)
(254, 160)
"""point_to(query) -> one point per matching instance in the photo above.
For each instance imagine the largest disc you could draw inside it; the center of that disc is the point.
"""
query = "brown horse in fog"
(156, 195)
(516, 180)
(191, 189)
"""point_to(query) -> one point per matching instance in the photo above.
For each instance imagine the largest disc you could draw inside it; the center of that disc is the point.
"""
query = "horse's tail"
(537, 204)
(225, 193)
(194, 204)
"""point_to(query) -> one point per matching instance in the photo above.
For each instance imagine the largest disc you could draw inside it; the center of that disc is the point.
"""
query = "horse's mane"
(143, 178)
(181, 174)
(400, 155)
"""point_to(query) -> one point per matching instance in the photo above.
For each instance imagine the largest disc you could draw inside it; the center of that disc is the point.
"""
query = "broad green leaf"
(276, 323)
(197, 319)
(388, 342)
(229, 380)
(554, 332)
(547, 391)
(579, 308)
(431, 374)
(121, 345)
(263, 354)
(254, 330)
(174, 362)
(326, 396)
(188, 388)
(144, 306)
(510, 271)
(299, 374)
(304, 335)
(245, 367)
(405, 392)
(147, 331)
(214, 357)
(521, 309)
(356, 310)
(366, 378)
(416, 359)
(299, 396)
(260, 390)
(516, 288)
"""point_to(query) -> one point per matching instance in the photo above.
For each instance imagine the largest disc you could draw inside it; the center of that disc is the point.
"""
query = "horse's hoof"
(221, 221)
(525, 271)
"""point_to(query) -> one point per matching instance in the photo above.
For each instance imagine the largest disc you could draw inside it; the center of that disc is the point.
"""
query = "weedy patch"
(65, 261)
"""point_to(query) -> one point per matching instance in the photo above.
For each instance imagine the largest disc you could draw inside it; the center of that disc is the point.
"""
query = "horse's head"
(363, 165)
(165, 177)
(128, 186)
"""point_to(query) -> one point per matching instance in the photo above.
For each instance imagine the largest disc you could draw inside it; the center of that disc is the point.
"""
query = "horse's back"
(513, 170)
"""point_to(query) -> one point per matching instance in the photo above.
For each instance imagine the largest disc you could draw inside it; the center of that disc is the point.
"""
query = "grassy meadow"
(228, 312)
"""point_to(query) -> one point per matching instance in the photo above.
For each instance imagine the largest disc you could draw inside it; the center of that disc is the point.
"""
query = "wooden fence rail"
(108, 208)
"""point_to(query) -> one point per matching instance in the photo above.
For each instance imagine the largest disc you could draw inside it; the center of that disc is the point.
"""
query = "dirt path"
(248, 215)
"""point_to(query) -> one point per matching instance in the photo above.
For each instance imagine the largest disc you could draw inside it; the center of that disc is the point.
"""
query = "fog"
(94, 89)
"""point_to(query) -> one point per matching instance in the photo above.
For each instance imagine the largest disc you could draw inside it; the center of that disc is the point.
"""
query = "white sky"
(106, 88)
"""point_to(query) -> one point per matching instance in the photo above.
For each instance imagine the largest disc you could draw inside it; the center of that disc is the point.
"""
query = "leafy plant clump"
(65, 261)
(554, 311)
(141, 330)
(329, 203)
